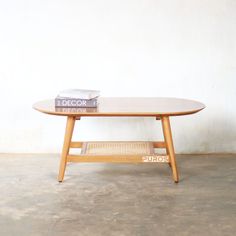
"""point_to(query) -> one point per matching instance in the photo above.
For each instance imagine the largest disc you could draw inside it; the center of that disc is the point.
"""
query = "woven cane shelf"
(121, 151)
(117, 148)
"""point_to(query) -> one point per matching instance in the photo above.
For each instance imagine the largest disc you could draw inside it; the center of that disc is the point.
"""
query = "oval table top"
(126, 106)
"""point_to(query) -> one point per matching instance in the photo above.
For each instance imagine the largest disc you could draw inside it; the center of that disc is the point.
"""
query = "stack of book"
(77, 98)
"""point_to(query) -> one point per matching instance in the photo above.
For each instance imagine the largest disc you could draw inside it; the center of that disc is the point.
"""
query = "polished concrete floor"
(117, 199)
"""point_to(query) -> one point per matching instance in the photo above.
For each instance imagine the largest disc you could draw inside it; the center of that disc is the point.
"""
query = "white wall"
(178, 48)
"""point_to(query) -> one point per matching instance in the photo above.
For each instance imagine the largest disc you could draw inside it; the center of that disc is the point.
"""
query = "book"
(73, 102)
(79, 93)
(76, 109)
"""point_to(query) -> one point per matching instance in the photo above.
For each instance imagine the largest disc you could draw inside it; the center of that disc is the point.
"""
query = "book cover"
(73, 102)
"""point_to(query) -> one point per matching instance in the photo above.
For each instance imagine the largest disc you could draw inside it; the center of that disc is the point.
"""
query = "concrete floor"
(117, 199)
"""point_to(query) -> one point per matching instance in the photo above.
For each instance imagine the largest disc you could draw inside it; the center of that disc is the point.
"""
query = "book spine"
(71, 102)
(76, 109)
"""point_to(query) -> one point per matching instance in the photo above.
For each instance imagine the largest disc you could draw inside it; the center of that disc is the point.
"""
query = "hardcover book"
(73, 102)
(79, 93)
(76, 109)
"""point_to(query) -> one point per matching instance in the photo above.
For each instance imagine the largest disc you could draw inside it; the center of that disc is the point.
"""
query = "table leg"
(66, 147)
(169, 146)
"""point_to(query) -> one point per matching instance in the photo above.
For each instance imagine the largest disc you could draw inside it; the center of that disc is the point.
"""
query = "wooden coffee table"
(122, 152)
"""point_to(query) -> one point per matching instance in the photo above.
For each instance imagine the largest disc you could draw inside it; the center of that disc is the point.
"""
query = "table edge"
(100, 114)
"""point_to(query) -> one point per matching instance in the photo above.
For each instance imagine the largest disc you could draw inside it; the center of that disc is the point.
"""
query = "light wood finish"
(160, 108)
(169, 146)
(126, 107)
(76, 144)
(67, 142)
(156, 144)
(119, 158)
(159, 144)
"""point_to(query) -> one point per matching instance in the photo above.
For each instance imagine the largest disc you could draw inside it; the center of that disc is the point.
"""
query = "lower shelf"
(117, 148)
(118, 152)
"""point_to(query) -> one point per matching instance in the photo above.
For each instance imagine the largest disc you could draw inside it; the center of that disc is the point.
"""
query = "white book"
(79, 93)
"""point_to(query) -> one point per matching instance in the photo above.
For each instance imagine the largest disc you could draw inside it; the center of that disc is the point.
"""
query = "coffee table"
(120, 151)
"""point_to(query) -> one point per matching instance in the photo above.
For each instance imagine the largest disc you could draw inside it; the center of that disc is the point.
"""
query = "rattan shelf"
(119, 152)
